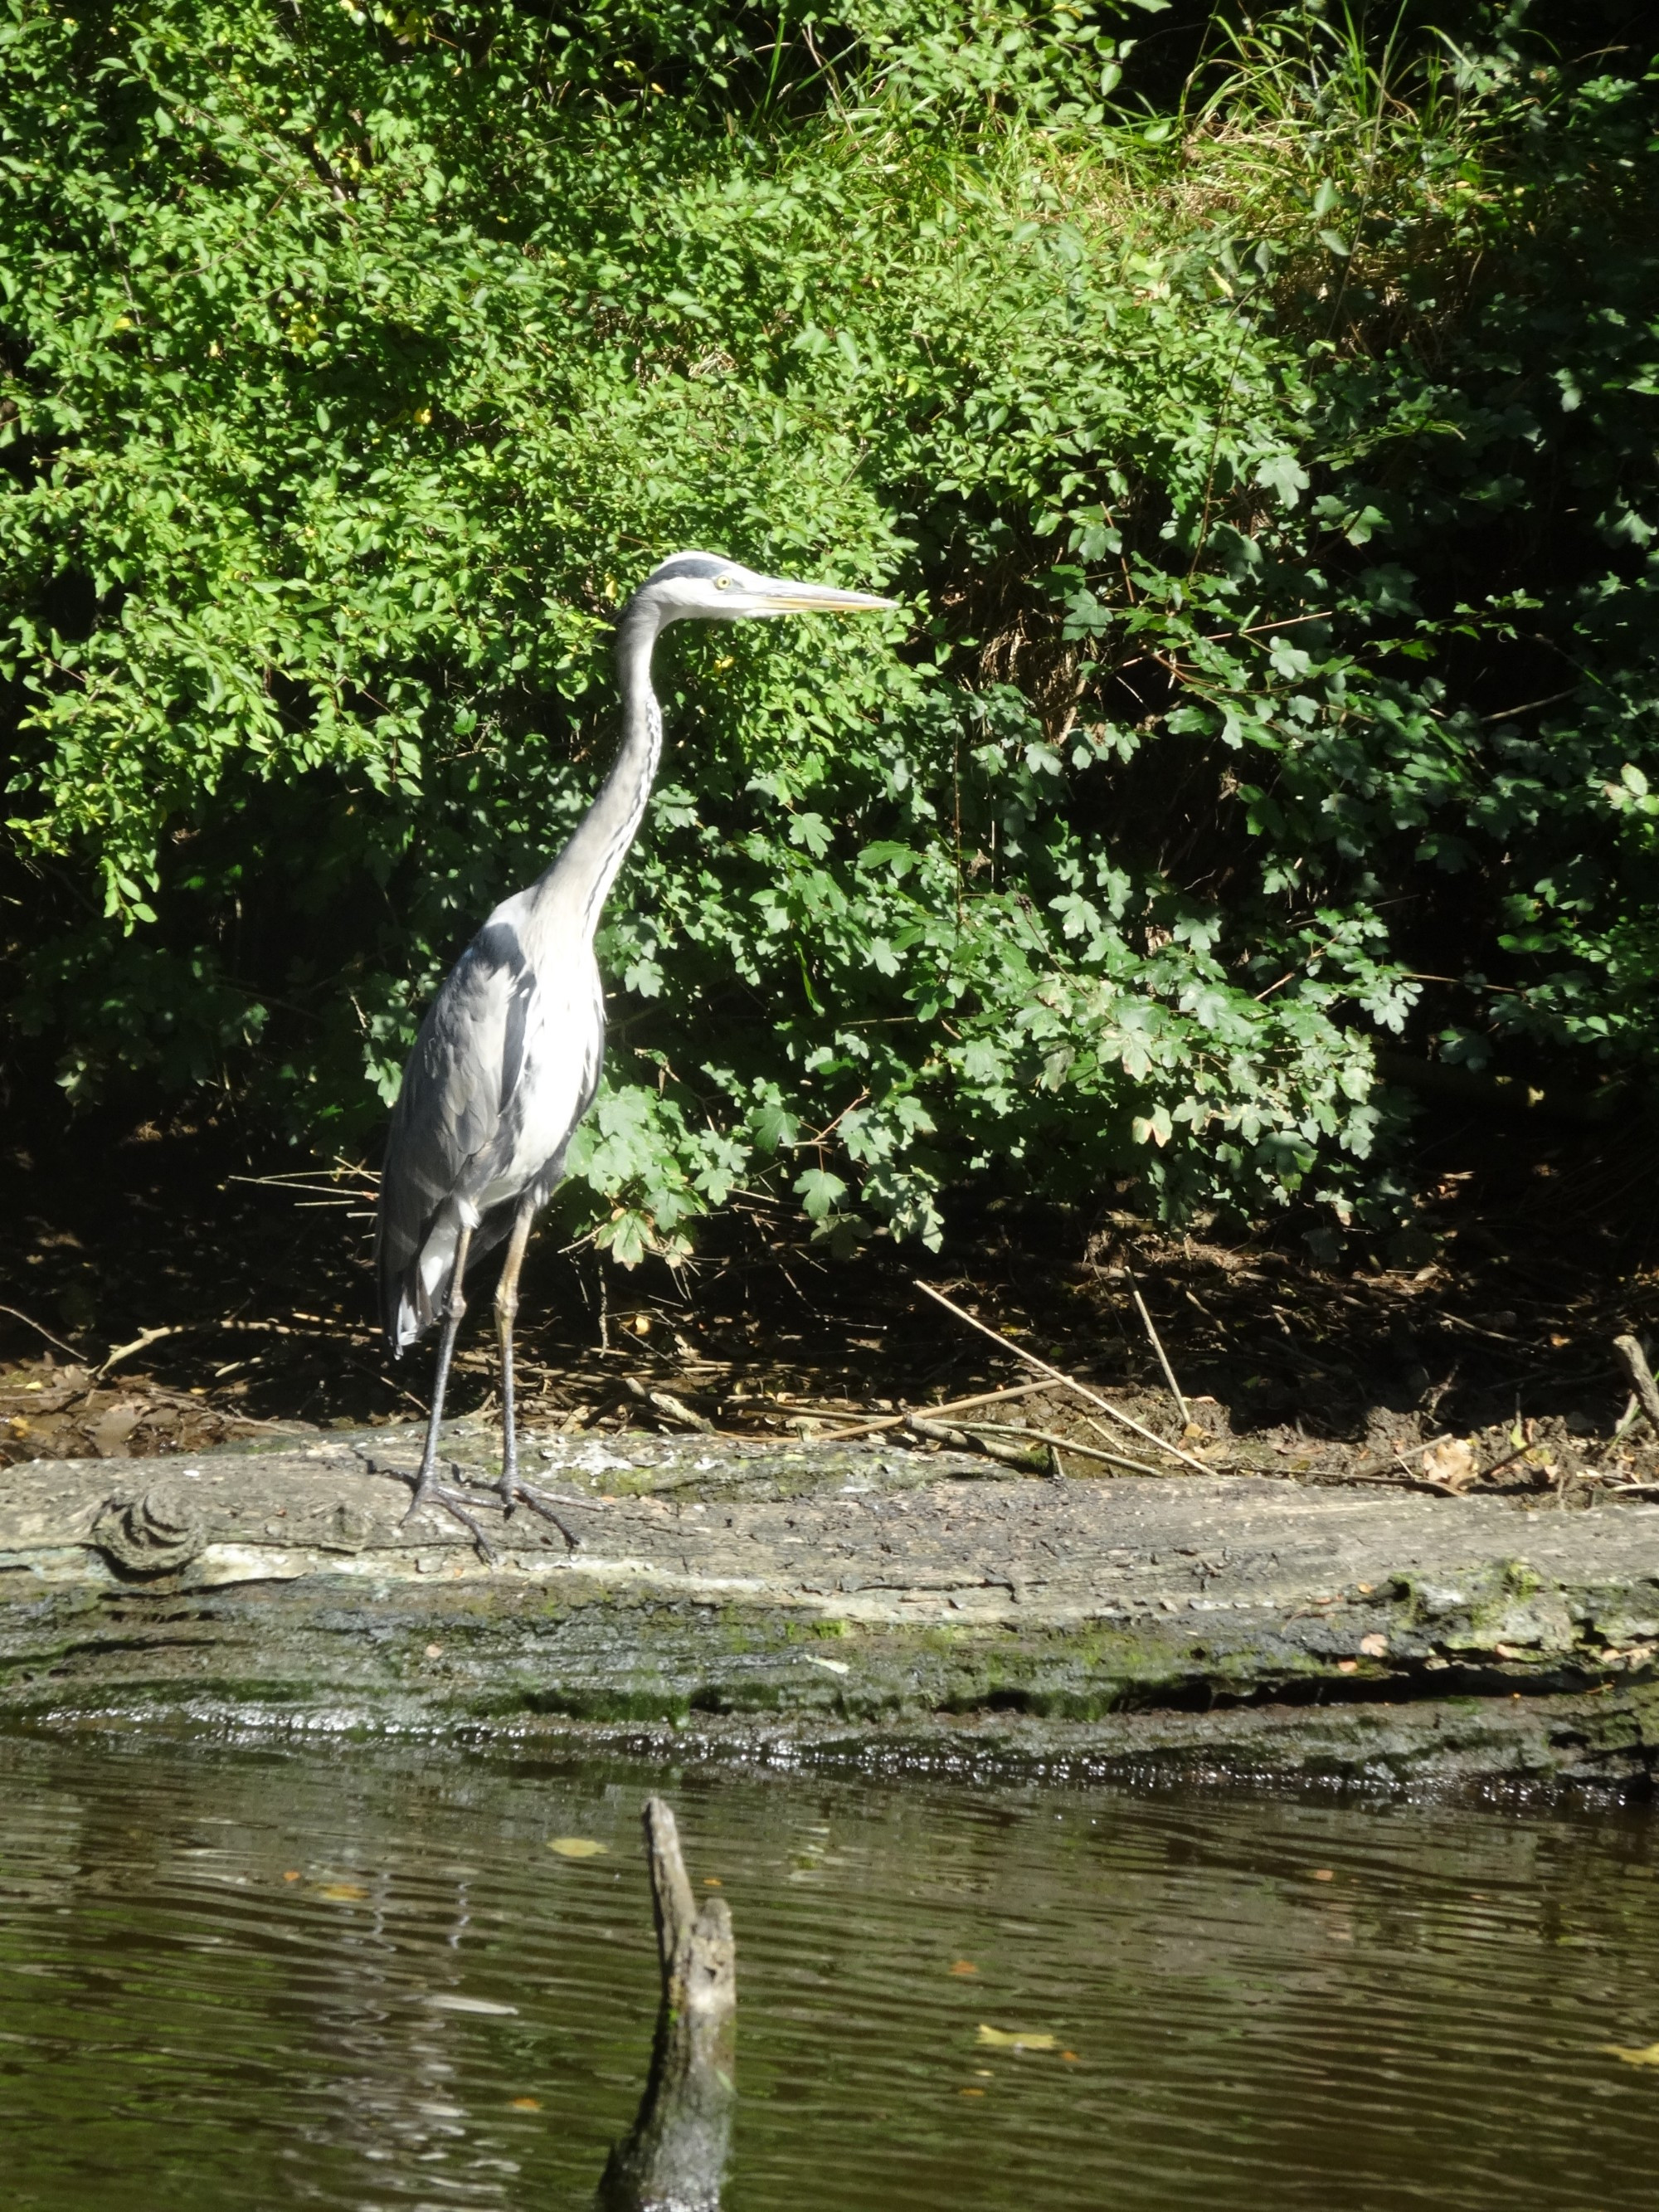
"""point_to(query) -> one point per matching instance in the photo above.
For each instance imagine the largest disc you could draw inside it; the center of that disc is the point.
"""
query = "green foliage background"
(1263, 446)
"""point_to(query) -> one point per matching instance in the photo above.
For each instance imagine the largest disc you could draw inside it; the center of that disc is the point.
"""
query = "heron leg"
(514, 1490)
(429, 1491)
(454, 1308)
(507, 1305)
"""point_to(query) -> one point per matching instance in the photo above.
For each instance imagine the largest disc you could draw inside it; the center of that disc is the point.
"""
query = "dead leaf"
(1451, 1463)
(1646, 2054)
(526, 2104)
(576, 1847)
(1324, 1874)
(340, 1892)
(110, 1434)
(1019, 2039)
(965, 1966)
(1374, 1646)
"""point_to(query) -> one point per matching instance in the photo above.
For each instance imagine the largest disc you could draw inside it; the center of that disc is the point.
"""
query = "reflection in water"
(361, 1976)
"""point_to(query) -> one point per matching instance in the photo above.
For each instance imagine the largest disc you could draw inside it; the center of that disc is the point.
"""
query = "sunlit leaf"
(997, 2038)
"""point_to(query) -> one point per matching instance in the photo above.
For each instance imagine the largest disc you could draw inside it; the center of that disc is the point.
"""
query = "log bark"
(674, 2157)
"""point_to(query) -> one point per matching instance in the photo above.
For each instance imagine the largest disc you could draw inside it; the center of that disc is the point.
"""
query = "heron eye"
(724, 583)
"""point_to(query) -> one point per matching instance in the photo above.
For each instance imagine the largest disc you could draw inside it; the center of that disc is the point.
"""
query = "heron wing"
(453, 1125)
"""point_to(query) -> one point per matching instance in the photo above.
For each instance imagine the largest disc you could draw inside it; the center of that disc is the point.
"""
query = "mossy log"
(848, 1599)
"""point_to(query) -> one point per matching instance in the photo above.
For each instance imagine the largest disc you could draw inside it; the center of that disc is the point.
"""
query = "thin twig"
(1533, 706)
(1058, 1375)
(1157, 1346)
(146, 1337)
(933, 1413)
(1498, 1465)
(29, 1322)
(997, 1447)
(142, 1342)
(1057, 1444)
(1405, 1481)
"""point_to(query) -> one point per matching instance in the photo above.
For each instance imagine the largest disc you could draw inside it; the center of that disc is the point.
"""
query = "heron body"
(506, 1065)
(507, 1059)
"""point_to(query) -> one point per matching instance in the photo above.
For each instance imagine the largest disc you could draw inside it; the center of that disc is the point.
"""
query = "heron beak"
(783, 598)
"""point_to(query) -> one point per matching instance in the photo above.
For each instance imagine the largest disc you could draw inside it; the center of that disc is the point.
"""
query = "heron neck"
(585, 871)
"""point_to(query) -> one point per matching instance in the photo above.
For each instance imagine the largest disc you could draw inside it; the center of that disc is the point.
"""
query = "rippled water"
(361, 1978)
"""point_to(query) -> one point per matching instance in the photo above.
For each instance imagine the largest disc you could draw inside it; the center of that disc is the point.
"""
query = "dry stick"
(142, 1342)
(1411, 1451)
(996, 1448)
(1634, 1362)
(1157, 1346)
(1406, 1480)
(1059, 1443)
(1498, 1465)
(1056, 1375)
(1228, 1467)
(933, 1413)
(146, 1337)
(28, 1322)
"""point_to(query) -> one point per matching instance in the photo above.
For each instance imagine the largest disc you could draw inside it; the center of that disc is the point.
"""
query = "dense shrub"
(1269, 473)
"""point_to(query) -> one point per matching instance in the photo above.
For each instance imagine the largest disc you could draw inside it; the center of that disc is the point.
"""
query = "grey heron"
(507, 1059)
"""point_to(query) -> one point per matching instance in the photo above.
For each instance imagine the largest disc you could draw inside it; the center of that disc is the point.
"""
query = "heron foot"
(430, 1491)
(513, 1492)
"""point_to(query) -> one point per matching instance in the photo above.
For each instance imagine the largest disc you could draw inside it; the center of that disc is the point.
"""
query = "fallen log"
(853, 1598)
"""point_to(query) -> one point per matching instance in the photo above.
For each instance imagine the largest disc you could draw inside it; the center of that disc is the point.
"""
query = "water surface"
(361, 1977)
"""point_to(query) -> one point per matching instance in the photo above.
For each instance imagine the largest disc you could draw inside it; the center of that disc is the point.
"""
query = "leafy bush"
(1270, 480)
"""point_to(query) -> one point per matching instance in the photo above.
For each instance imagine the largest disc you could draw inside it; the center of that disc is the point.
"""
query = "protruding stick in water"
(675, 2156)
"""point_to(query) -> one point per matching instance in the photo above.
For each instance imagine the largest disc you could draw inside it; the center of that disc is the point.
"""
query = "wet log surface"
(841, 1601)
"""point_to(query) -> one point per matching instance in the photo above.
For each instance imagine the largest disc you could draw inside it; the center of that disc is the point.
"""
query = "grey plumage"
(459, 1120)
(507, 1059)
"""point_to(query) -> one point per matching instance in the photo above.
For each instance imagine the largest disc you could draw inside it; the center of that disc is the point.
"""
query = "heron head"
(704, 587)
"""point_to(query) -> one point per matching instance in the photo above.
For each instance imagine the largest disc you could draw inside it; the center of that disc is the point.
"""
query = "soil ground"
(171, 1289)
